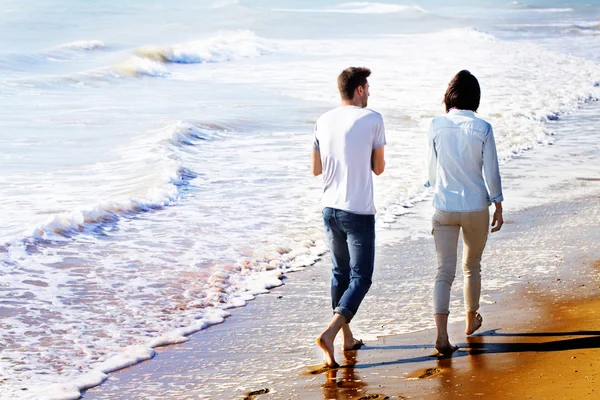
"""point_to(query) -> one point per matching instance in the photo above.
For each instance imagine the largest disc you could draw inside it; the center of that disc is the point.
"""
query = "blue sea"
(154, 156)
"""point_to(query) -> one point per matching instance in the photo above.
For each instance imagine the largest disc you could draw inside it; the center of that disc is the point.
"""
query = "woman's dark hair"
(463, 92)
(350, 79)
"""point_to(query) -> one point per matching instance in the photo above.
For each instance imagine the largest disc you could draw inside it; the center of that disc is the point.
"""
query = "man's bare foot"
(474, 321)
(326, 344)
(444, 347)
(348, 340)
(354, 345)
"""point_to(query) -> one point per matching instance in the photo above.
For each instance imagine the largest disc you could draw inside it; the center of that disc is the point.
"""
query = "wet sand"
(541, 341)
(534, 347)
(540, 338)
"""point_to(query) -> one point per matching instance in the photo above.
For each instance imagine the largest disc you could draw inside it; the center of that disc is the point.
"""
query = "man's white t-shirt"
(346, 137)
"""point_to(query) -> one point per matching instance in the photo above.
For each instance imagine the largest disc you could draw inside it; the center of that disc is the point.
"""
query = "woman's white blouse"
(461, 150)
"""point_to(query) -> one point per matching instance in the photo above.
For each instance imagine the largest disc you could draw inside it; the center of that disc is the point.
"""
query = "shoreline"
(218, 119)
(270, 345)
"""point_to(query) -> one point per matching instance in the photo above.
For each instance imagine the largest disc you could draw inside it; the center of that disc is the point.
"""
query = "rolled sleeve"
(491, 169)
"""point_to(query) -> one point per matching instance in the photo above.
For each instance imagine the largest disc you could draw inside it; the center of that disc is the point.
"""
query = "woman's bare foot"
(442, 344)
(325, 342)
(444, 347)
(473, 321)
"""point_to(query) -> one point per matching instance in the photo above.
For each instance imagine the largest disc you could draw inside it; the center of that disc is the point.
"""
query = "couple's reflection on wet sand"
(344, 382)
(450, 385)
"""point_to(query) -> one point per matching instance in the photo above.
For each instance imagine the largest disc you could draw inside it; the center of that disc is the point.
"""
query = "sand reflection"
(345, 383)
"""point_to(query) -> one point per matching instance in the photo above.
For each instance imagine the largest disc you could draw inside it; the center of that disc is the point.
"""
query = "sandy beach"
(539, 339)
(156, 186)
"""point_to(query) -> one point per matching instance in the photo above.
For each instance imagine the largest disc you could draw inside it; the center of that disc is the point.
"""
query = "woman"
(461, 150)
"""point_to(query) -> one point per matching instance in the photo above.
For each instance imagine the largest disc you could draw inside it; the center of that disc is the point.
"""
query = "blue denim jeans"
(351, 239)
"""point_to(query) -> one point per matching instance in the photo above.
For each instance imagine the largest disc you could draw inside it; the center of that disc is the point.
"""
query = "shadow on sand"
(346, 383)
(476, 345)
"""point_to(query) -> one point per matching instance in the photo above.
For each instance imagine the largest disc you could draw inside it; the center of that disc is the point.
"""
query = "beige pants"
(446, 227)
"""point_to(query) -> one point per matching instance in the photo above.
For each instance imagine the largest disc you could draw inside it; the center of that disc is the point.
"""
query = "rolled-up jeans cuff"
(345, 312)
(441, 311)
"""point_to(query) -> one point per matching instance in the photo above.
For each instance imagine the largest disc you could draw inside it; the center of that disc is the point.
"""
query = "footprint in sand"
(428, 373)
(252, 395)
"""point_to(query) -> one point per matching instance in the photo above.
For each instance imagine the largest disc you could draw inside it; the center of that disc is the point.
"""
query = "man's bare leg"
(326, 339)
(442, 343)
(349, 342)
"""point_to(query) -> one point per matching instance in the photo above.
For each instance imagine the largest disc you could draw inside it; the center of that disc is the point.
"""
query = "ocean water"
(154, 157)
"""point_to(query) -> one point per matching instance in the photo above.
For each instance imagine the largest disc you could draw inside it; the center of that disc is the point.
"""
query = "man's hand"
(497, 220)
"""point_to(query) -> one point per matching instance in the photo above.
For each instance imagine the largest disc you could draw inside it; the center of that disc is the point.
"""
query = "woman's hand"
(497, 220)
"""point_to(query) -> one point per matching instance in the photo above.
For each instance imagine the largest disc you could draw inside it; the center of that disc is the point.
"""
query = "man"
(348, 147)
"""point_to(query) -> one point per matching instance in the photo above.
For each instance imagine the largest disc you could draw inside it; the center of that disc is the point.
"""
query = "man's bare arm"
(315, 163)
(378, 160)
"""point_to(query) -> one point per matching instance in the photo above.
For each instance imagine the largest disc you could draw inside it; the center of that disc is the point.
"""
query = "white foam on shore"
(71, 389)
(225, 288)
(130, 356)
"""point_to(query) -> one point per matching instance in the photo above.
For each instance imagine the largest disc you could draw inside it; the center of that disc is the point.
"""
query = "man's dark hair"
(463, 92)
(350, 79)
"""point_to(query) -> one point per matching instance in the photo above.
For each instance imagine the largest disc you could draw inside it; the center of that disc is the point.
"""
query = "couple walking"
(349, 146)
